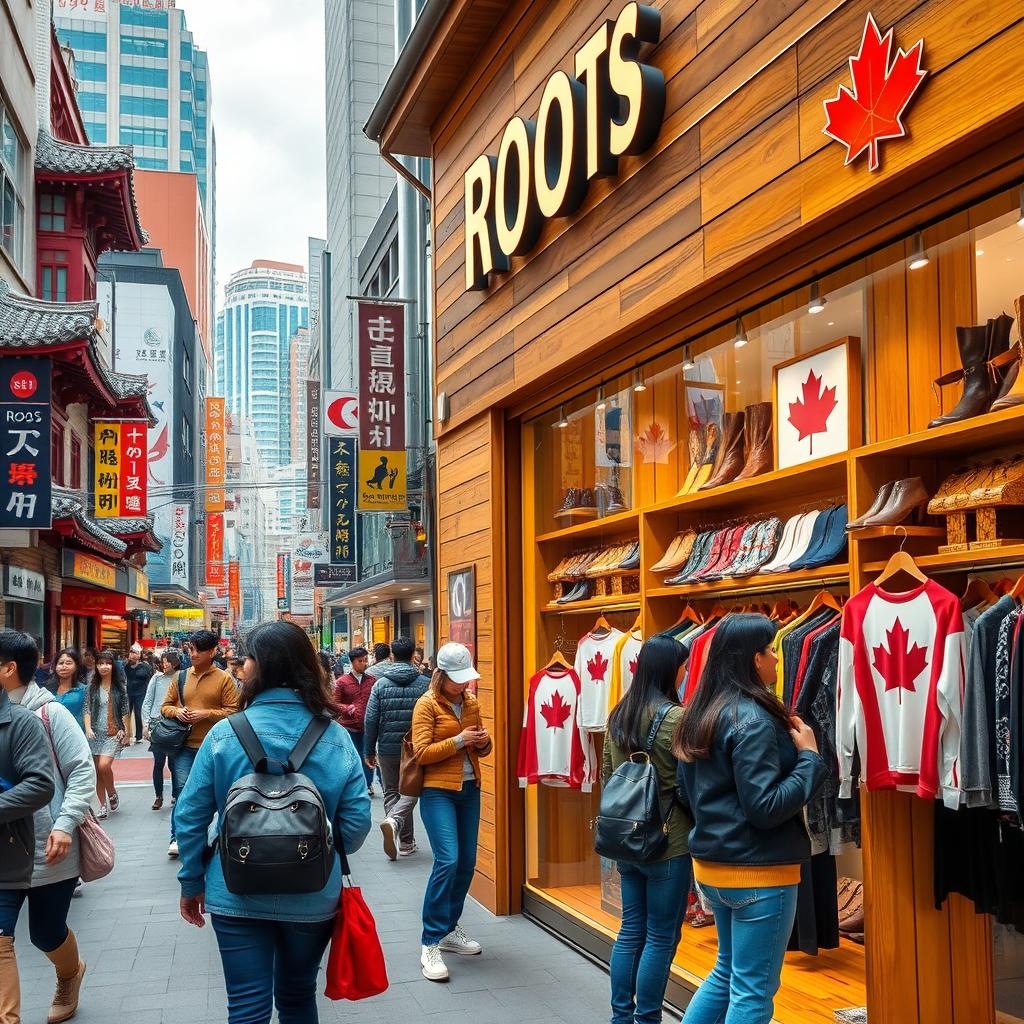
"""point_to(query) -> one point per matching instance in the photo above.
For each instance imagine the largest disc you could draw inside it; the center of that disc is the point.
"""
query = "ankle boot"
(973, 343)
(759, 452)
(70, 972)
(10, 987)
(730, 452)
(905, 496)
(1012, 392)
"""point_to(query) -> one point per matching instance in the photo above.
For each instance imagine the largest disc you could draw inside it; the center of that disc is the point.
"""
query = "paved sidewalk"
(146, 964)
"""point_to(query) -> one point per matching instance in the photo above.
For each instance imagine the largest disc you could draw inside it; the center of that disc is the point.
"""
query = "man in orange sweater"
(210, 694)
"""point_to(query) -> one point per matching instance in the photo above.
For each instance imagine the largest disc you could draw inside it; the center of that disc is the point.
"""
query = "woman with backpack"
(156, 695)
(106, 708)
(271, 944)
(748, 768)
(653, 893)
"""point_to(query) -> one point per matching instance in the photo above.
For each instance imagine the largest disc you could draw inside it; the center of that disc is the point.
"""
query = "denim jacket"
(279, 718)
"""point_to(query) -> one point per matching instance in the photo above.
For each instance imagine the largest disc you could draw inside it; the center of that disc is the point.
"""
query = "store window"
(12, 188)
(657, 499)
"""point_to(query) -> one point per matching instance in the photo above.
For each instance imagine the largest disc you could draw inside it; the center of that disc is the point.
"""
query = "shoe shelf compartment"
(595, 604)
(763, 583)
(1009, 557)
(620, 523)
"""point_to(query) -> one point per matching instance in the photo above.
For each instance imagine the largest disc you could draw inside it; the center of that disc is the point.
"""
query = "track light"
(688, 363)
(1020, 221)
(816, 303)
(601, 403)
(918, 256)
(638, 381)
(740, 341)
(562, 421)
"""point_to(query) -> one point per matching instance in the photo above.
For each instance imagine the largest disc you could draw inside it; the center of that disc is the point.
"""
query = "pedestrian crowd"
(730, 776)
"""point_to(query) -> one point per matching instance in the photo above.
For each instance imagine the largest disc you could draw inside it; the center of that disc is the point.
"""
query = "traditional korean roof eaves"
(67, 505)
(127, 386)
(29, 323)
(128, 524)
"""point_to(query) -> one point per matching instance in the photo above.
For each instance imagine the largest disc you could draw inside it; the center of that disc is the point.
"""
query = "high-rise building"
(264, 306)
(142, 80)
(298, 359)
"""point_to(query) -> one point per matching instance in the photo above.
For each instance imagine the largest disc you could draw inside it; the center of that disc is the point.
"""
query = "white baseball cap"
(137, 648)
(457, 663)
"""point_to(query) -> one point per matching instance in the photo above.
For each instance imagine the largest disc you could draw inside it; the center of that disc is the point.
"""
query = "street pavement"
(145, 963)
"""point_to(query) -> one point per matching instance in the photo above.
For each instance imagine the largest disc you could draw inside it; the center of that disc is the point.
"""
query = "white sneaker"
(432, 964)
(103, 811)
(459, 942)
(172, 850)
(389, 829)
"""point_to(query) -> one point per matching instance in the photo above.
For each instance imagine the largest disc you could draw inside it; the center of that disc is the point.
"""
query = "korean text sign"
(382, 454)
(341, 509)
(215, 548)
(234, 587)
(121, 453)
(313, 441)
(215, 455)
(25, 497)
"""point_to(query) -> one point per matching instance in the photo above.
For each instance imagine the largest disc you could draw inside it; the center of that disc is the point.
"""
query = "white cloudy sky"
(267, 74)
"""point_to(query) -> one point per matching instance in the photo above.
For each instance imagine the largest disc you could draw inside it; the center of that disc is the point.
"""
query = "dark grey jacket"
(26, 785)
(389, 710)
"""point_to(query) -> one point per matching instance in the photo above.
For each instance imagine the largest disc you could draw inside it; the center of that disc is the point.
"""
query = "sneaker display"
(172, 850)
(389, 830)
(433, 965)
(459, 942)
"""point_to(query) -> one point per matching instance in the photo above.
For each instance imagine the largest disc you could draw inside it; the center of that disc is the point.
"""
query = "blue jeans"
(653, 908)
(271, 961)
(159, 760)
(753, 930)
(48, 907)
(452, 820)
(180, 768)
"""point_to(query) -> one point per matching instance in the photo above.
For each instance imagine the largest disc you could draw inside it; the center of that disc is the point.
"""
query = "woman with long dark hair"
(271, 945)
(68, 683)
(748, 768)
(106, 708)
(654, 894)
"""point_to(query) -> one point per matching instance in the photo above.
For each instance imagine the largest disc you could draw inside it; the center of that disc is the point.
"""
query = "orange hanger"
(903, 562)
(557, 659)
(688, 615)
(719, 611)
(1017, 591)
(635, 628)
(602, 623)
(781, 609)
(977, 592)
(823, 599)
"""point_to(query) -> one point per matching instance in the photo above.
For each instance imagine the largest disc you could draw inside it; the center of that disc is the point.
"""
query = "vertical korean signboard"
(121, 450)
(25, 494)
(234, 588)
(215, 457)
(313, 438)
(382, 455)
(181, 516)
(215, 549)
(341, 523)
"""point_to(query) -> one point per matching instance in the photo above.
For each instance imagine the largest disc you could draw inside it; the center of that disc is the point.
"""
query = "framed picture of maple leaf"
(816, 401)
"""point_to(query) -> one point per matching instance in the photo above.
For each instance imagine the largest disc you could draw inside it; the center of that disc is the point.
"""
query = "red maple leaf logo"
(810, 413)
(901, 664)
(881, 92)
(556, 712)
(597, 666)
(632, 666)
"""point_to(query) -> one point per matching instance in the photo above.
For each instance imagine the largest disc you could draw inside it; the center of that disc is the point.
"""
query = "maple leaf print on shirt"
(555, 713)
(809, 414)
(901, 664)
(597, 666)
(632, 666)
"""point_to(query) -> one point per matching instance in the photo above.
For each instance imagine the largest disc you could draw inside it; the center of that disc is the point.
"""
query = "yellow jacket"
(434, 728)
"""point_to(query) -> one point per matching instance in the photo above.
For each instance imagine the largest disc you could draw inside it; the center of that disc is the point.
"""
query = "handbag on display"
(410, 773)
(95, 847)
(169, 735)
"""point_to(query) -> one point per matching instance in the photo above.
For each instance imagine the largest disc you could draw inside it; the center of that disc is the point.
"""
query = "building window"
(155, 78)
(138, 46)
(186, 437)
(186, 369)
(90, 71)
(186, 49)
(185, 81)
(76, 462)
(57, 454)
(97, 131)
(51, 212)
(92, 102)
(156, 137)
(187, 111)
(53, 284)
(80, 39)
(139, 16)
(149, 163)
(12, 205)
(188, 142)
(143, 106)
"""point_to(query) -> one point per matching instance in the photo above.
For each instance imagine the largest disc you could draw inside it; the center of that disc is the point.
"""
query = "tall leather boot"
(730, 452)
(973, 343)
(695, 448)
(1012, 392)
(70, 972)
(712, 449)
(760, 453)
(10, 987)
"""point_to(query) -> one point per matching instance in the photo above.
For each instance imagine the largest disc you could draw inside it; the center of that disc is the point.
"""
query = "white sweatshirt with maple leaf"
(900, 691)
(595, 657)
(553, 748)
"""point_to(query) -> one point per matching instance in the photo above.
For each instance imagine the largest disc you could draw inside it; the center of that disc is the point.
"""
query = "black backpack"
(632, 824)
(274, 833)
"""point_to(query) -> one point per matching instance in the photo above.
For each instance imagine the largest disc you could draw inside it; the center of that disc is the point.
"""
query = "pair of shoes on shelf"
(578, 593)
(677, 554)
(744, 448)
(609, 499)
(810, 540)
(894, 502)
(578, 501)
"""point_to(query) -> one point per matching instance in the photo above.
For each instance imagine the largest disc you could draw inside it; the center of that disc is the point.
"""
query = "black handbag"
(632, 824)
(169, 735)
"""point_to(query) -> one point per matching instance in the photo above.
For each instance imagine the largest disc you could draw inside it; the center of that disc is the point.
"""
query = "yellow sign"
(138, 584)
(92, 570)
(383, 481)
(183, 613)
(108, 470)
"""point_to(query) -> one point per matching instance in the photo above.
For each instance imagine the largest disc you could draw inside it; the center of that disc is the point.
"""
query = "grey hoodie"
(71, 799)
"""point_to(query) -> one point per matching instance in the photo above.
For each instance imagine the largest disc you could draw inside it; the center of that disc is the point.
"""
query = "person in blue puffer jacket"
(271, 946)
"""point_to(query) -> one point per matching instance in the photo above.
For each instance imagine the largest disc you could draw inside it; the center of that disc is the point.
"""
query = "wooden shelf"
(876, 532)
(763, 583)
(618, 523)
(1011, 556)
(615, 603)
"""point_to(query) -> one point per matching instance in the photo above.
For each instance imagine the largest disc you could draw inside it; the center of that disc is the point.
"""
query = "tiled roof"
(27, 323)
(127, 385)
(67, 505)
(128, 524)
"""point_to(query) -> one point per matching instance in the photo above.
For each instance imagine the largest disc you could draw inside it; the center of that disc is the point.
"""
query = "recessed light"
(979, 252)
(1009, 259)
(831, 323)
(405, 590)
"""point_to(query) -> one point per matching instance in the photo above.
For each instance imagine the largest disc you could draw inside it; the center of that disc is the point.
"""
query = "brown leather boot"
(70, 972)
(1012, 392)
(883, 495)
(730, 452)
(906, 496)
(10, 987)
(760, 453)
(973, 343)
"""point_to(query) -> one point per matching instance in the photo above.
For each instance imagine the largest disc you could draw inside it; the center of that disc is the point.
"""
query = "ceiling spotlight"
(562, 421)
(638, 381)
(688, 363)
(816, 303)
(919, 256)
(740, 341)
(601, 403)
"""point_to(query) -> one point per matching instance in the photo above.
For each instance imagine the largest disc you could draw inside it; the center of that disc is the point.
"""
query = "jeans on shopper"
(398, 807)
(452, 820)
(180, 768)
(271, 961)
(160, 759)
(359, 741)
(653, 908)
(48, 907)
(753, 929)
(135, 702)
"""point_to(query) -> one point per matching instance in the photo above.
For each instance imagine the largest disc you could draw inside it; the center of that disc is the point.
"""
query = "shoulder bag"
(95, 847)
(168, 736)
(410, 772)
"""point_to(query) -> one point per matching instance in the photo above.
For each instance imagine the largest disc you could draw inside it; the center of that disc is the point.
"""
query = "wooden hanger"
(780, 609)
(557, 659)
(823, 599)
(903, 562)
(601, 624)
(1017, 590)
(718, 612)
(688, 615)
(977, 592)
(635, 628)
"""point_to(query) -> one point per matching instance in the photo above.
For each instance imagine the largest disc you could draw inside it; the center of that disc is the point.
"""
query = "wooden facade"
(740, 203)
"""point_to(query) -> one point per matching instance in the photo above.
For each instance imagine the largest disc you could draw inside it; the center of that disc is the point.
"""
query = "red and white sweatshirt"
(553, 748)
(595, 657)
(900, 692)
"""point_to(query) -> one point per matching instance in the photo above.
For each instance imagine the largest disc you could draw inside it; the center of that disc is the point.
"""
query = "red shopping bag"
(355, 966)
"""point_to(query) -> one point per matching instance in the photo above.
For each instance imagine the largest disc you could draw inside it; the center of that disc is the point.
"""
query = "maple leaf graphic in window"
(810, 412)
(555, 713)
(901, 664)
(597, 666)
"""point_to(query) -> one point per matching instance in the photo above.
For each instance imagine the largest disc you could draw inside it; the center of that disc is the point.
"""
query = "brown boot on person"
(70, 972)
(10, 987)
